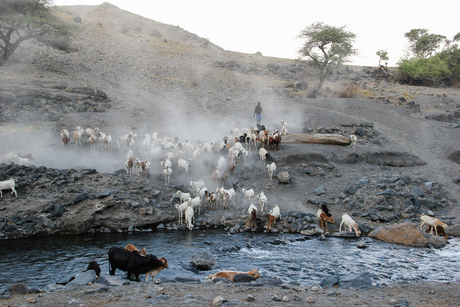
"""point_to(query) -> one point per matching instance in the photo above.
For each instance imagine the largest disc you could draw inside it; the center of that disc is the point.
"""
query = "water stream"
(43, 260)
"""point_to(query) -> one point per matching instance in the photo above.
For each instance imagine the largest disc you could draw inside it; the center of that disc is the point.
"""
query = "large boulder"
(361, 281)
(407, 233)
(203, 261)
(83, 279)
(284, 177)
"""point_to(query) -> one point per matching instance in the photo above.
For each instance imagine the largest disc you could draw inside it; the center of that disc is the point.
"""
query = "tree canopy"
(422, 43)
(21, 20)
(325, 46)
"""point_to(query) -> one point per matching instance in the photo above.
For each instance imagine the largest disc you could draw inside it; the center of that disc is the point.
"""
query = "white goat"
(90, 132)
(184, 164)
(181, 209)
(263, 154)
(183, 196)
(92, 140)
(283, 127)
(271, 170)
(21, 161)
(189, 217)
(196, 202)
(248, 194)
(8, 158)
(353, 138)
(8, 184)
(167, 171)
(196, 186)
(262, 198)
(350, 224)
(433, 222)
(221, 192)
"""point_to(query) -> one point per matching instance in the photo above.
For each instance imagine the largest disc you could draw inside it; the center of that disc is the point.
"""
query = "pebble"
(276, 298)
(285, 298)
(314, 288)
(250, 298)
(310, 300)
(218, 301)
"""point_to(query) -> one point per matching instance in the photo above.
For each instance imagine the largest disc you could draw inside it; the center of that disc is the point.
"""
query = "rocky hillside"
(122, 72)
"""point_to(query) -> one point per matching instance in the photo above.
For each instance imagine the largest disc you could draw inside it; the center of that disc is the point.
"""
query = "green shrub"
(426, 71)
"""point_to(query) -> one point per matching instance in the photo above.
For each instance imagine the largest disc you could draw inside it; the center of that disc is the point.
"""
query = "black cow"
(131, 262)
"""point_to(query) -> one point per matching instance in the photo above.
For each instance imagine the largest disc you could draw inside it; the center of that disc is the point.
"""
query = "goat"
(92, 140)
(189, 216)
(27, 156)
(272, 217)
(90, 132)
(145, 167)
(157, 270)
(431, 221)
(323, 217)
(8, 184)
(252, 211)
(77, 135)
(167, 171)
(8, 158)
(248, 194)
(226, 197)
(196, 202)
(353, 138)
(107, 143)
(65, 137)
(183, 196)
(196, 186)
(283, 127)
(184, 164)
(211, 198)
(129, 165)
(231, 191)
(262, 201)
(350, 224)
(271, 170)
(181, 209)
(21, 161)
(263, 154)
(441, 231)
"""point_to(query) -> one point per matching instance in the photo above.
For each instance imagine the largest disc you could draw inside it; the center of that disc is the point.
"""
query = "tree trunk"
(317, 138)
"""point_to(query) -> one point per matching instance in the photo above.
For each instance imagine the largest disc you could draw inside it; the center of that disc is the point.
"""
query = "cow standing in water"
(132, 262)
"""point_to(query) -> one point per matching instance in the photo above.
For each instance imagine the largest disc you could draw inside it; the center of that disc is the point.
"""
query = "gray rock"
(243, 278)
(80, 198)
(83, 279)
(284, 177)
(58, 211)
(456, 179)
(218, 301)
(52, 287)
(110, 280)
(320, 191)
(417, 192)
(203, 261)
(329, 281)
(361, 281)
(350, 190)
(18, 288)
(389, 192)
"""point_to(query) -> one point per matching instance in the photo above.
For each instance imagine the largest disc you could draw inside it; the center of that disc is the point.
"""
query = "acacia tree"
(423, 44)
(21, 20)
(326, 45)
(383, 56)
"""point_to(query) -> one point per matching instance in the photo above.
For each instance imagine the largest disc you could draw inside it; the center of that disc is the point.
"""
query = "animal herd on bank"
(171, 155)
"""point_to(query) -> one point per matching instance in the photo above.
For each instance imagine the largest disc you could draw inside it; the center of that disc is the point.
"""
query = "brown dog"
(230, 274)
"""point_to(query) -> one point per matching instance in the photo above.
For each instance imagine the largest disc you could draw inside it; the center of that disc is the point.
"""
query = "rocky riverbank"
(267, 293)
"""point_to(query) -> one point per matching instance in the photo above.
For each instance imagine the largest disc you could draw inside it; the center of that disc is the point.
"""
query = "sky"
(272, 26)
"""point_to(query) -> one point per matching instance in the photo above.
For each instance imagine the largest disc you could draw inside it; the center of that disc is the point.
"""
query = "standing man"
(258, 113)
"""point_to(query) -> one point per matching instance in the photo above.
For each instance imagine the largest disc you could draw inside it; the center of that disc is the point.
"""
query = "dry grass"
(350, 90)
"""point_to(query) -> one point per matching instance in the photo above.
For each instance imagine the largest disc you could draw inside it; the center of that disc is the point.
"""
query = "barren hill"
(122, 72)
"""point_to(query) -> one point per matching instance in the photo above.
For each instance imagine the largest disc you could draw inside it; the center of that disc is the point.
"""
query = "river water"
(43, 260)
